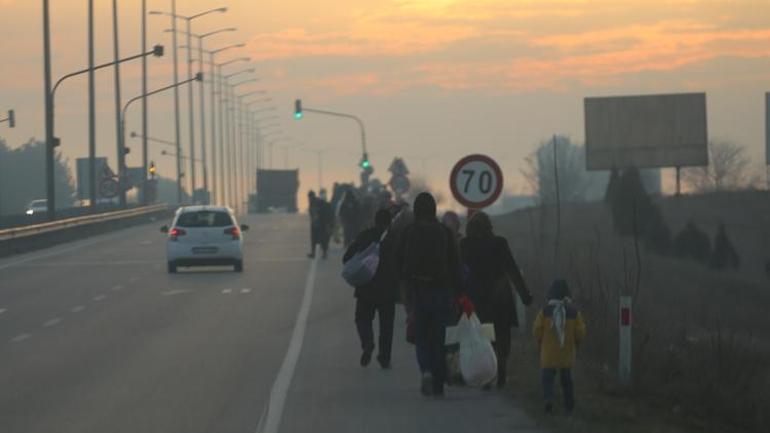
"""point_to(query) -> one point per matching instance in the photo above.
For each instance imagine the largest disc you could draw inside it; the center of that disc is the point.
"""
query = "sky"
(433, 80)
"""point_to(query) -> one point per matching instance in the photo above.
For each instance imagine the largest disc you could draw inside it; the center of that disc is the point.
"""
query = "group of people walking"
(439, 274)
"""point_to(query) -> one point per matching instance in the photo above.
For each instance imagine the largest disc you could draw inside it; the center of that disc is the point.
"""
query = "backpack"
(425, 257)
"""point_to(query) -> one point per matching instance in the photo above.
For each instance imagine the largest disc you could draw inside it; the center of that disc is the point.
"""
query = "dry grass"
(701, 337)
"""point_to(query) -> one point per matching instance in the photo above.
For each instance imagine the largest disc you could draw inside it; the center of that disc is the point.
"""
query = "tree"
(22, 177)
(574, 180)
(729, 169)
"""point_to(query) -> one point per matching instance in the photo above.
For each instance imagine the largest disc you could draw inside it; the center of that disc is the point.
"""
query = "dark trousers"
(549, 377)
(502, 345)
(318, 235)
(386, 311)
(430, 335)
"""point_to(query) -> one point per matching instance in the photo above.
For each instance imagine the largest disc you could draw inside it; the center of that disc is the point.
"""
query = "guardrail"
(37, 229)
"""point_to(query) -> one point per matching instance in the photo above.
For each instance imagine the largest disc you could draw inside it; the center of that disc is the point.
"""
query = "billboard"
(646, 131)
(81, 166)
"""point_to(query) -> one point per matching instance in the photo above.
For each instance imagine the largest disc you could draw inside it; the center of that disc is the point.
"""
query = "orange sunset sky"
(433, 79)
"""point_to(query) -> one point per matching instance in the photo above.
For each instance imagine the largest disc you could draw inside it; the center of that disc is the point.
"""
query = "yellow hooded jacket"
(552, 353)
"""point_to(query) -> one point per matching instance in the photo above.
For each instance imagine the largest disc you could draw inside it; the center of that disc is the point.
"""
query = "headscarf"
(559, 299)
(424, 207)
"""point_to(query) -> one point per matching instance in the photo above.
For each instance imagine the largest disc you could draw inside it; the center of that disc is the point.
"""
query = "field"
(701, 337)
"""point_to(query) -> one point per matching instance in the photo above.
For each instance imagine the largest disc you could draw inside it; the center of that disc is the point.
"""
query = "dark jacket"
(384, 285)
(491, 263)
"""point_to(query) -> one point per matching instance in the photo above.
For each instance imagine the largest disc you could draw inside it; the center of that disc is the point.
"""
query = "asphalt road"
(95, 336)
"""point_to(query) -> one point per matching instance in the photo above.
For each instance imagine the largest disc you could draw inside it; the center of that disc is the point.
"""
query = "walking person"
(378, 296)
(559, 329)
(430, 269)
(491, 268)
(319, 225)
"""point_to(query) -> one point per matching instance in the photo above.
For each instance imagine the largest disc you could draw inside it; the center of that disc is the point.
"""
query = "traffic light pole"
(347, 116)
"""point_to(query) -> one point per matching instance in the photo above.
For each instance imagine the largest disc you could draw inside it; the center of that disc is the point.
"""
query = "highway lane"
(96, 337)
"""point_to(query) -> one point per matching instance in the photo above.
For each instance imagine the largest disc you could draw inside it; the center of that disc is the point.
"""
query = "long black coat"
(384, 286)
(490, 261)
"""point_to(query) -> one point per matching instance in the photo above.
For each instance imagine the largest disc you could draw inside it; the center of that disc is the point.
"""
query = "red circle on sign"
(456, 171)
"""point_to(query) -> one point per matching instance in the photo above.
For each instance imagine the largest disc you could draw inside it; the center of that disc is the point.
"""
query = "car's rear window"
(204, 219)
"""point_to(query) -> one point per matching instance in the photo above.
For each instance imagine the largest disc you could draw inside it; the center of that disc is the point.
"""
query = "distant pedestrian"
(380, 295)
(430, 268)
(491, 269)
(452, 221)
(559, 329)
(350, 216)
(319, 224)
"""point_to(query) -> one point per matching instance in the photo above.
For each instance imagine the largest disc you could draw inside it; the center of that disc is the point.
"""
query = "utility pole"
(179, 197)
(202, 88)
(191, 106)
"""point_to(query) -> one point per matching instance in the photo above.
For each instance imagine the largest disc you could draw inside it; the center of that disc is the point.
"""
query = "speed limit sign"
(476, 181)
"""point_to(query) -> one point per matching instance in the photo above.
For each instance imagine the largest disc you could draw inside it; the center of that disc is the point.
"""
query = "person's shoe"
(311, 256)
(426, 386)
(366, 358)
(501, 383)
(324, 255)
(548, 408)
(438, 391)
(384, 363)
(487, 387)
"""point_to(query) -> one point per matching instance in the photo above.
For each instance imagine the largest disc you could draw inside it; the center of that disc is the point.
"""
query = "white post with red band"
(625, 346)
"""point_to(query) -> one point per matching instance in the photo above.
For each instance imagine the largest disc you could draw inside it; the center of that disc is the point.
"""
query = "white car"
(204, 236)
(37, 207)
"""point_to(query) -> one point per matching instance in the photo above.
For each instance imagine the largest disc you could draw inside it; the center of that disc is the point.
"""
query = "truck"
(277, 190)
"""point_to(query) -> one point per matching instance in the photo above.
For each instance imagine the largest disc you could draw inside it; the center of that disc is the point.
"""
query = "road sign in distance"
(108, 188)
(476, 181)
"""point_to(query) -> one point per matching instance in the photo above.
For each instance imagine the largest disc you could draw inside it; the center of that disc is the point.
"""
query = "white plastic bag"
(478, 363)
(360, 269)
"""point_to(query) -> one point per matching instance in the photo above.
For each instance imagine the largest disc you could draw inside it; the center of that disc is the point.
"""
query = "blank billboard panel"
(646, 131)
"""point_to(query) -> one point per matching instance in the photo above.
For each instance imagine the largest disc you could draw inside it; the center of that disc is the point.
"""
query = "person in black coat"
(380, 295)
(492, 268)
(429, 266)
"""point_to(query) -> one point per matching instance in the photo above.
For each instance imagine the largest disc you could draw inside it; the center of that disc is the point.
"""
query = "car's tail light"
(175, 233)
(235, 232)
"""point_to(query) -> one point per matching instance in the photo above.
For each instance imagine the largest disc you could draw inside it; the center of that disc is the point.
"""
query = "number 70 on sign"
(476, 181)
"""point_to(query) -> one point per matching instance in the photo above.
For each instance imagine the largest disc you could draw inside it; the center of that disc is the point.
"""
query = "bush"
(724, 254)
(657, 235)
(693, 243)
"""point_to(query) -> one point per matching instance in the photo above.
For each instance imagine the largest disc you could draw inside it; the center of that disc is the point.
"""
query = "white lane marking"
(2, 310)
(98, 298)
(19, 338)
(78, 308)
(117, 287)
(61, 251)
(227, 291)
(174, 292)
(270, 421)
(245, 290)
(53, 322)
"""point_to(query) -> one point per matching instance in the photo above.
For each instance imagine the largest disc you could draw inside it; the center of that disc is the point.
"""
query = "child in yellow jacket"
(559, 329)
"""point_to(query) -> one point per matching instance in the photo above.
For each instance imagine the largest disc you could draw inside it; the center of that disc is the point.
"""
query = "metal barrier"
(36, 229)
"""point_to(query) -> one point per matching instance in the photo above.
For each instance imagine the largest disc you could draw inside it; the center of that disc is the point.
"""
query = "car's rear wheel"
(238, 267)
(171, 268)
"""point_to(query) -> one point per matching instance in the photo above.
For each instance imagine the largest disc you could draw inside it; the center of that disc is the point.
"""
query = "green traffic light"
(298, 115)
(365, 164)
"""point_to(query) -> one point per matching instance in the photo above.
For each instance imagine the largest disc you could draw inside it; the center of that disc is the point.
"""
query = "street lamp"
(51, 141)
(200, 38)
(11, 119)
(155, 140)
(122, 133)
(188, 32)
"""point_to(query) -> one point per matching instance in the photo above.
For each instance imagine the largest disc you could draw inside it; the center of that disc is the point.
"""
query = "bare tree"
(573, 178)
(729, 169)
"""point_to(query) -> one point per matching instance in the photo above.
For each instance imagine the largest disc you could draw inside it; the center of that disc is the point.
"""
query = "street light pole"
(145, 197)
(191, 109)
(49, 137)
(121, 150)
(92, 110)
(177, 132)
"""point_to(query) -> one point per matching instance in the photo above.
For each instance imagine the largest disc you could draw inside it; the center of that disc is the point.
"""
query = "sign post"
(624, 357)
(476, 182)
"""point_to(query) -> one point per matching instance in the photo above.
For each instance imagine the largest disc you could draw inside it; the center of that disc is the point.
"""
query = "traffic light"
(365, 164)
(152, 169)
(298, 109)
(11, 118)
